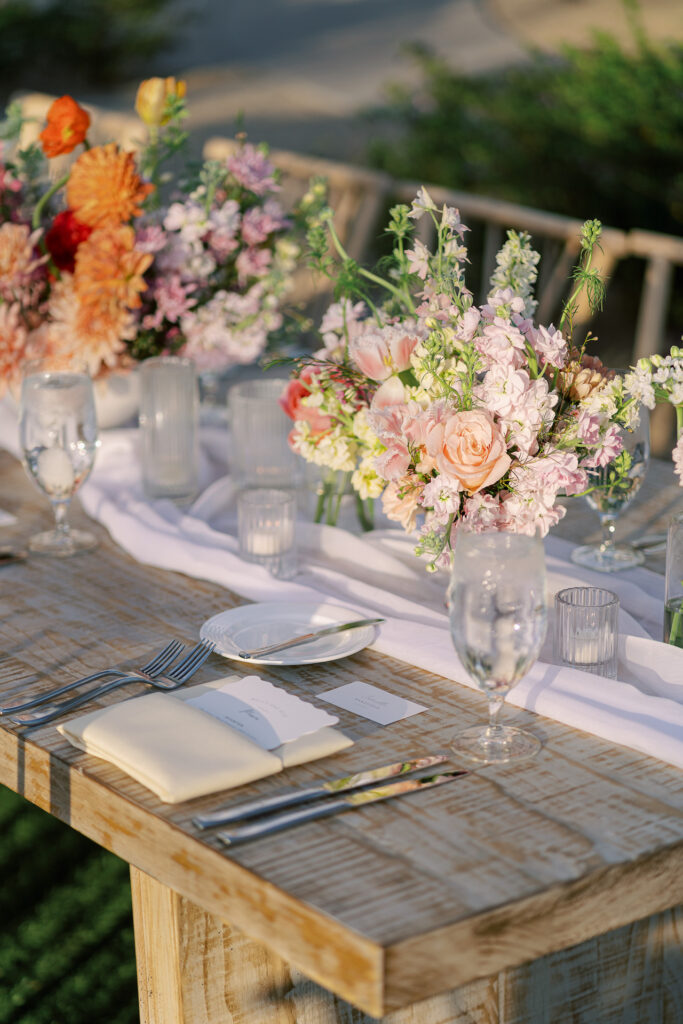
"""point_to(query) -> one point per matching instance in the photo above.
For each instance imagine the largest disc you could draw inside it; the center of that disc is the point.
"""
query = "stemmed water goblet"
(610, 493)
(58, 438)
(498, 614)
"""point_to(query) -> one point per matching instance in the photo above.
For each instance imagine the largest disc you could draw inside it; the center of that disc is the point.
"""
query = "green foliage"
(598, 130)
(51, 44)
(66, 945)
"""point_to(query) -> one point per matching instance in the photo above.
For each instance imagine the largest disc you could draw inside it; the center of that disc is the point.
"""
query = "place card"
(264, 713)
(370, 702)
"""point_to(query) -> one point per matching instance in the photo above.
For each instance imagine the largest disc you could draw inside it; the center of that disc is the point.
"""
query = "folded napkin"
(181, 752)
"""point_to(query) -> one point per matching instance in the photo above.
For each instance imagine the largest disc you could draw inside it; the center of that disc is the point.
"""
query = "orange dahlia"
(85, 332)
(67, 126)
(109, 269)
(18, 257)
(13, 349)
(105, 188)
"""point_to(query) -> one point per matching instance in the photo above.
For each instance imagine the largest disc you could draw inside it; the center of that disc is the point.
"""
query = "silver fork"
(153, 667)
(179, 675)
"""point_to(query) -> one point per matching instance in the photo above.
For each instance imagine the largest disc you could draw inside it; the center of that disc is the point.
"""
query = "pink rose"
(291, 400)
(470, 448)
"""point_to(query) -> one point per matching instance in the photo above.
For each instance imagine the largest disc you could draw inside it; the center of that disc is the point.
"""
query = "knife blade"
(291, 797)
(278, 822)
(306, 638)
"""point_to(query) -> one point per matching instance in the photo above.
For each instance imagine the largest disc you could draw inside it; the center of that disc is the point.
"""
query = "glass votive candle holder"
(265, 527)
(587, 630)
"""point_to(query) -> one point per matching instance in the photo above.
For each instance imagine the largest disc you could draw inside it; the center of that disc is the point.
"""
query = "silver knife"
(290, 797)
(306, 638)
(278, 822)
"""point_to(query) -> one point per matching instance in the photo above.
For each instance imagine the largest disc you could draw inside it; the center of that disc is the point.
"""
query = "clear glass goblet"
(58, 437)
(611, 493)
(498, 617)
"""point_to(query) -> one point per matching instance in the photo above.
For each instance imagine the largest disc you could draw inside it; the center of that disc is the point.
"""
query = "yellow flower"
(150, 102)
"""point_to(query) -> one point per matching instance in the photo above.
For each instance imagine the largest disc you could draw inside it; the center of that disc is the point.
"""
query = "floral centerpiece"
(118, 260)
(469, 417)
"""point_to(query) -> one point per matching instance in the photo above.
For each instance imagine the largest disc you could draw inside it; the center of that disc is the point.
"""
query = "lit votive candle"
(265, 524)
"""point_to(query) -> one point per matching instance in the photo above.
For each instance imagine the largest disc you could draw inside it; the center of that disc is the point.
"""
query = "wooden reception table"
(545, 892)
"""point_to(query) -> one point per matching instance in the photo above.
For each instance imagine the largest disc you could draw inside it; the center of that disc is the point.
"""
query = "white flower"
(421, 204)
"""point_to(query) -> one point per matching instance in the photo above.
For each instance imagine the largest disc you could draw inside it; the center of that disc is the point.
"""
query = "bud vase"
(673, 598)
(334, 494)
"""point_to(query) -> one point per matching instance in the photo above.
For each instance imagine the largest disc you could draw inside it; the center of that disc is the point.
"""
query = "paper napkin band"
(181, 752)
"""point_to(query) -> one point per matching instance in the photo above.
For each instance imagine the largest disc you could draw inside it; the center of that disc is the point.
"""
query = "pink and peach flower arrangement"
(459, 416)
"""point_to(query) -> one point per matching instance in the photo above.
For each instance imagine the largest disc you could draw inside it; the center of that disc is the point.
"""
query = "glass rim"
(607, 598)
(265, 495)
(494, 539)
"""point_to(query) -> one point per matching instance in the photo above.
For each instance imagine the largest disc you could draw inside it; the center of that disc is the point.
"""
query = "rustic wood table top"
(389, 904)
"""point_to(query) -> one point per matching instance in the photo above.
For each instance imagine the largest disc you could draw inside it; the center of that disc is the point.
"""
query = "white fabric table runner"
(377, 574)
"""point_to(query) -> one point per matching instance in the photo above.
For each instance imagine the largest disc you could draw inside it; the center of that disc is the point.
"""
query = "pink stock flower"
(253, 170)
(252, 263)
(677, 456)
(469, 447)
(292, 402)
(501, 342)
(610, 447)
(258, 223)
(549, 345)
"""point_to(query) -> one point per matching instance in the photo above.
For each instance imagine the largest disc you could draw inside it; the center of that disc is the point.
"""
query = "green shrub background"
(66, 945)
(591, 133)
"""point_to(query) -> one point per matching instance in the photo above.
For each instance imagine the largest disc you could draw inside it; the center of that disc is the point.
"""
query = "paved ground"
(299, 71)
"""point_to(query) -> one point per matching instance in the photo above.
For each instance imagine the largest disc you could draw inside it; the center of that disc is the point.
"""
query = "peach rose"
(291, 401)
(470, 448)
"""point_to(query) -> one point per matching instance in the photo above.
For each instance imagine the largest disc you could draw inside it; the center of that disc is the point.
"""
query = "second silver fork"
(153, 667)
(179, 675)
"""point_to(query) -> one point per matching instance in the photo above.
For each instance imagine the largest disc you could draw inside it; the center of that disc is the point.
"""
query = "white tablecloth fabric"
(377, 573)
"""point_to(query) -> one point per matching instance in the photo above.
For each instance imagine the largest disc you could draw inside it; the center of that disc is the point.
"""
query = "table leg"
(196, 969)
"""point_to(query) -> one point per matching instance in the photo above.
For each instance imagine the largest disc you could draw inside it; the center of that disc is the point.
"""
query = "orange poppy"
(104, 187)
(67, 126)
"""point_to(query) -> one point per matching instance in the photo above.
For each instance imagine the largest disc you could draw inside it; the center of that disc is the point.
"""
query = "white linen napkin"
(181, 752)
(377, 574)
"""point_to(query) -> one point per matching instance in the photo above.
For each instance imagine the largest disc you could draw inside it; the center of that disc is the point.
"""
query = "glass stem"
(608, 525)
(494, 727)
(61, 509)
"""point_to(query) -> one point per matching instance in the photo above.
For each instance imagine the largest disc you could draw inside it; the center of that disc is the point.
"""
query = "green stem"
(365, 511)
(679, 420)
(45, 198)
(403, 296)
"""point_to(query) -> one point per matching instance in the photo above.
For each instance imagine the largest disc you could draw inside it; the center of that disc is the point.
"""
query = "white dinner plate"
(257, 625)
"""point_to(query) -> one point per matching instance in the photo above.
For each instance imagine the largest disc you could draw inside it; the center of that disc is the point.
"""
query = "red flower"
(64, 238)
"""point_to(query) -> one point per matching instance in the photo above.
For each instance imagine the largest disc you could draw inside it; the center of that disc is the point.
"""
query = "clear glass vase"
(333, 493)
(673, 597)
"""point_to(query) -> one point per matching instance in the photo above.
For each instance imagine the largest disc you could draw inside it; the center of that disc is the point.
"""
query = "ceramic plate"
(257, 625)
